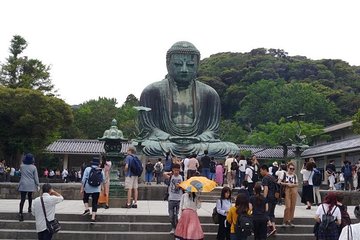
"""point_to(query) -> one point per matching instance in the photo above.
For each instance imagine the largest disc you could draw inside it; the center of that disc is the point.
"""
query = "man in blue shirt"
(131, 181)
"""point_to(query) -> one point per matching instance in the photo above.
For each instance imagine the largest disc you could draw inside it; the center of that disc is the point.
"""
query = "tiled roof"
(268, 153)
(347, 145)
(80, 146)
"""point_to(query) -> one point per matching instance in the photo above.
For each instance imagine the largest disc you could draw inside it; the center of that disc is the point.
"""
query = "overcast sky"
(115, 48)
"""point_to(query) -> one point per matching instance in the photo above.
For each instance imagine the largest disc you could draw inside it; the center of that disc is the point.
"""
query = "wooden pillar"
(66, 161)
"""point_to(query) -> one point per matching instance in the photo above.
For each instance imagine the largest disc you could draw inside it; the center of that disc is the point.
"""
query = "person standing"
(222, 207)
(242, 169)
(347, 173)
(205, 165)
(158, 168)
(131, 181)
(50, 198)
(330, 171)
(189, 226)
(193, 165)
(29, 183)
(249, 175)
(352, 230)
(260, 217)
(186, 165)
(149, 168)
(105, 190)
(307, 189)
(212, 168)
(269, 185)
(230, 174)
(290, 182)
(175, 194)
(88, 190)
(219, 175)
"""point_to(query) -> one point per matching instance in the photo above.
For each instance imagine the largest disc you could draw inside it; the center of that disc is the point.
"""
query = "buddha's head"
(182, 61)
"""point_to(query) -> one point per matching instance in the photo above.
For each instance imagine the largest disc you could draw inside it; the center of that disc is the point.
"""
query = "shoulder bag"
(52, 226)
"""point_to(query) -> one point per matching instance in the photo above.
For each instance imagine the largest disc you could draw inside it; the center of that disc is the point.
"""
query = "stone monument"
(185, 113)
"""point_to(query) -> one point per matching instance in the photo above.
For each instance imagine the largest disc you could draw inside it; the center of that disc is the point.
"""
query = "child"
(175, 194)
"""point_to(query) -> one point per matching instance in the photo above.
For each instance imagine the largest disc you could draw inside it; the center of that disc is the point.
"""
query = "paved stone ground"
(147, 208)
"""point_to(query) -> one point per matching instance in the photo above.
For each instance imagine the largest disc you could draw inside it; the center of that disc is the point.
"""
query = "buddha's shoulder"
(205, 87)
(156, 85)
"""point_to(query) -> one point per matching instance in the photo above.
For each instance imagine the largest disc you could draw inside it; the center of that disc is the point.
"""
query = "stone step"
(78, 235)
(131, 227)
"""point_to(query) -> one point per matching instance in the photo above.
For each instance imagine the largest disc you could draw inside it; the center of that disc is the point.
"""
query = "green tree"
(283, 134)
(127, 117)
(23, 72)
(93, 117)
(30, 120)
(269, 101)
(356, 122)
(232, 132)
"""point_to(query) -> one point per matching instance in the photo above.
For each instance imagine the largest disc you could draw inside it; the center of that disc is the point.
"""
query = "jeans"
(44, 235)
(173, 208)
(148, 176)
(206, 172)
(212, 176)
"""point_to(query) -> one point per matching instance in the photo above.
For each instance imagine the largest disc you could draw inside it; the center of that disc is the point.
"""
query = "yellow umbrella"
(198, 184)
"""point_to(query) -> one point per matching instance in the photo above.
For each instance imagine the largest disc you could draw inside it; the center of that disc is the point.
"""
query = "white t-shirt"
(249, 174)
(307, 175)
(320, 212)
(242, 165)
(354, 234)
(280, 174)
(186, 164)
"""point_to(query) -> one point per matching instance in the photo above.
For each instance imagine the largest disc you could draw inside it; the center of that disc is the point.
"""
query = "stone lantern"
(114, 139)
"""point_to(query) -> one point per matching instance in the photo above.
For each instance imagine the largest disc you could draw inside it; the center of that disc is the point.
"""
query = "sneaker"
(172, 231)
(29, 210)
(291, 224)
(92, 221)
(134, 205)
(21, 217)
(106, 207)
(86, 212)
(284, 225)
(126, 206)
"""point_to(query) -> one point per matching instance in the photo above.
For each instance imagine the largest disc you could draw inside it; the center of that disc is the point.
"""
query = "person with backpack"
(328, 217)
(317, 180)
(175, 194)
(133, 169)
(239, 218)
(290, 183)
(158, 169)
(92, 180)
(243, 163)
(347, 173)
(307, 188)
(260, 217)
(222, 208)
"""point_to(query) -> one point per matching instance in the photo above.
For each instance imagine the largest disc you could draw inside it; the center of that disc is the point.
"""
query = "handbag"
(52, 226)
(215, 216)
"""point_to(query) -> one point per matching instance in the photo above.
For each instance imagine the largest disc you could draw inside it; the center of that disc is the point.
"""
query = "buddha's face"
(183, 68)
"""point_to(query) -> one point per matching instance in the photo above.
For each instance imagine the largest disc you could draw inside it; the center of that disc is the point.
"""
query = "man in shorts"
(131, 181)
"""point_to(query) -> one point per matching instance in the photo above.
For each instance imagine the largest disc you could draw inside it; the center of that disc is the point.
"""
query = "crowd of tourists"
(258, 188)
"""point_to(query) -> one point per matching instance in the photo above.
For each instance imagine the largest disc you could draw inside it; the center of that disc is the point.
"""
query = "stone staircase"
(133, 227)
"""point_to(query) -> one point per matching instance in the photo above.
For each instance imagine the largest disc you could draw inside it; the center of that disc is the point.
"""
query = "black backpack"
(316, 178)
(326, 219)
(95, 177)
(244, 225)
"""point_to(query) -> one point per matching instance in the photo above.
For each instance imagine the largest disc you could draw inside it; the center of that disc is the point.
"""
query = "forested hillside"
(267, 85)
